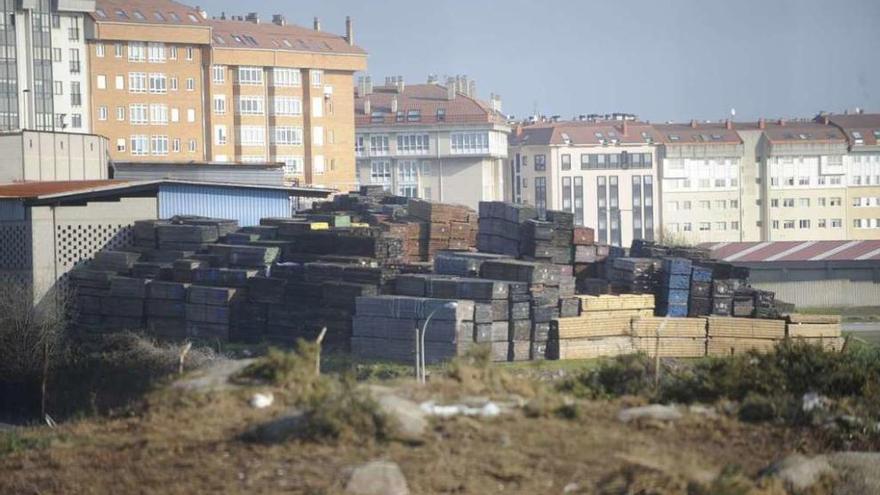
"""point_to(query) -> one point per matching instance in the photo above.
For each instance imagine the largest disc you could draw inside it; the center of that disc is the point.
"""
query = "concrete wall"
(52, 156)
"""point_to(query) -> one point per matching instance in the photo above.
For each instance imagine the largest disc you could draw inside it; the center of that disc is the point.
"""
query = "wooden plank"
(589, 348)
(813, 330)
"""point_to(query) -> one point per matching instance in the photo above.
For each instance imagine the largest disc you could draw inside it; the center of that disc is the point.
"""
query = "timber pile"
(635, 275)
(446, 226)
(500, 227)
(824, 330)
(670, 337)
(602, 329)
(674, 291)
(549, 241)
(729, 336)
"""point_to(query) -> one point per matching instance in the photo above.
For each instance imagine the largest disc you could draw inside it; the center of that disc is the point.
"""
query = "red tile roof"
(697, 132)
(427, 99)
(268, 36)
(862, 129)
(799, 132)
(757, 252)
(585, 133)
(23, 190)
(147, 12)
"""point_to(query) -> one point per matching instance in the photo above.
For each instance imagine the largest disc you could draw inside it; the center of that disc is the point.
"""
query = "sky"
(663, 60)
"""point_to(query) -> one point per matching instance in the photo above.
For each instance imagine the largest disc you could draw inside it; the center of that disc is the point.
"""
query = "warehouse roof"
(65, 189)
(758, 252)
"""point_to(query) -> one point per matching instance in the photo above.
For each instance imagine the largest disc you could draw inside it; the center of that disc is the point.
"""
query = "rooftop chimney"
(694, 124)
(401, 86)
(433, 79)
(349, 31)
(367, 107)
(369, 85)
(223, 15)
(317, 24)
(472, 88)
(394, 105)
(279, 20)
(728, 124)
(826, 120)
(625, 128)
(761, 124)
(202, 12)
(252, 17)
(450, 88)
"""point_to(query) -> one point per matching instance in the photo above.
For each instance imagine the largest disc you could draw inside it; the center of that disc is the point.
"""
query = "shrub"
(346, 412)
(623, 375)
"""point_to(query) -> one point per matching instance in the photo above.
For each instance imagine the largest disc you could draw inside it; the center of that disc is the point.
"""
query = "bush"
(346, 412)
(623, 375)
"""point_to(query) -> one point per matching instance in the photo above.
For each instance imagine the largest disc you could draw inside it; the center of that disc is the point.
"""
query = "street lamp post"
(421, 374)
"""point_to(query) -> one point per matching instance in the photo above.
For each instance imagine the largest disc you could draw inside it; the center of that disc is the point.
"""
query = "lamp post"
(421, 375)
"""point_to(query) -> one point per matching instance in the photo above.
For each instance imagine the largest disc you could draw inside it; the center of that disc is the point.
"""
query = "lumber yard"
(381, 272)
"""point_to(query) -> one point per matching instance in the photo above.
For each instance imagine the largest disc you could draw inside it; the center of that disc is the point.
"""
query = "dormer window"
(377, 117)
(414, 116)
(101, 13)
(441, 114)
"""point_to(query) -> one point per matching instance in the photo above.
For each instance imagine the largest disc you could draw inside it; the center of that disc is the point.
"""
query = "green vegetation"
(849, 313)
(12, 442)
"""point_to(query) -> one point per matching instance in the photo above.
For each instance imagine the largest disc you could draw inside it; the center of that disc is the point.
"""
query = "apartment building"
(862, 164)
(431, 141)
(605, 172)
(803, 181)
(43, 68)
(171, 84)
(704, 198)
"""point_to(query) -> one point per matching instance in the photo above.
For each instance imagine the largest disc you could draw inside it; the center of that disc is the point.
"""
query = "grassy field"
(849, 314)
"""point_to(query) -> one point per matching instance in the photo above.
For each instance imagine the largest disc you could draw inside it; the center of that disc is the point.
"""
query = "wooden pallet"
(649, 326)
(617, 302)
(673, 347)
(746, 328)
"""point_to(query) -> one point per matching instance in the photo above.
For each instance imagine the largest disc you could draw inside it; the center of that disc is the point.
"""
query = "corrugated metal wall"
(247, 206)
(268, 176)
(825, 293)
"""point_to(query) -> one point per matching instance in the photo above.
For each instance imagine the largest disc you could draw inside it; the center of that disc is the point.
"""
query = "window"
(380, 172)
(803, 181)
(58, 88)
(705, 205)
(318, 165)
(721, 226)
(219, 104)
(137, 52)
(804, 202)
(317, 106)
(140, 145)
(414, 116)
(441, 115)
(158, 84)
(788, 224)
(412, 144)
(317, 77)
(250, 105)
(190, 84)
(117, 49)
(159, 145)
(120, 144)
(775, 225)
(137, 82)
(190, 114)
(540, 162)
(686, 227)
(76, 120)
(836, 223)
(705, 226)
(253, 159)
(774, 203)
(566, 161)
(101, 82)
(156, 55)
(173, 84)
(250, 76)
(175, 145)
(219, 73)
(359, 145)
(120, 82)
(721, 204)
(284, 77)
(788, 202)
(220, 137)
(541, 194)
(685, 205)
(158, 114)
(804, 224)
(120, 114)
(286, 105)
(293, 165)
(318, 136)
(287, 135)
(378, 145)
(734, 203)
(252, 135)
(835, 201)
(189, 53)
(137, 115)
(193, 146)
(172, 53)
(734, 225)
(56, 54)
(470, 142)
(175, 115)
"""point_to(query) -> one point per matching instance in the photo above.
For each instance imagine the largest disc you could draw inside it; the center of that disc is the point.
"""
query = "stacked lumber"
(208, 311)
(591, 348)
(447, 226)
(500, 226)
(461, 263)
(635, 275)
(602, 329)
(700, 297)
(670, 337)
(165, 309)
(736, 335)
(549, 241)
(90, 285)
(674, 293)
(823, 330)
(123, 306)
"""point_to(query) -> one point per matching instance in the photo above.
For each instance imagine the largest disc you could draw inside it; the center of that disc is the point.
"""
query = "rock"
(285, 427)
(859, 472)
(377, 478)
(657, 412)
(213, 377)
(798, 472)
(262, 401)
(410, 419)
(699, 409)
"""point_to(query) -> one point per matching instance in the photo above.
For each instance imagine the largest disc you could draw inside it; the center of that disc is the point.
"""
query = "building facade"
(604, 172)
(52, 156)
(43, 68)
(171, 84)
(431, 141)
(862, 164)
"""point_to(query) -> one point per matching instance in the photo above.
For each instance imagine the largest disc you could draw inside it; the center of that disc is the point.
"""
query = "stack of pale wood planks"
(669, 337)
(824, 330)
(601, 330)
(728, 336)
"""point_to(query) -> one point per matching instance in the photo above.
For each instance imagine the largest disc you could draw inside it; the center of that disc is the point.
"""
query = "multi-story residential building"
(170, 84)
(43, 71)
(431, 141)
(803, 181)
(862, 164)
(702, 183)
(604, 172)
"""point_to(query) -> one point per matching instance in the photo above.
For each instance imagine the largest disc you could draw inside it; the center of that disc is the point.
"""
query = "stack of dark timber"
(90, 285)
(447, 226)
(500, 227)
(602, 328)
(165, 309)
(385, 327)
(823, 330)
(674, 291)
(461, 263)
(549, 241)
(728, 336)
(669, 337)
(635, 275)
(700, 301)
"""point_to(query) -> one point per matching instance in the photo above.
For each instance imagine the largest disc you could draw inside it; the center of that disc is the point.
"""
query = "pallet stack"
(634, 275)
(669, 337)
(549, 241)
(674, 292)
(447, 226)
(700, 298)
(165, 309)
(823, 330)
(602, 329)
(729, 336)
(500, 227)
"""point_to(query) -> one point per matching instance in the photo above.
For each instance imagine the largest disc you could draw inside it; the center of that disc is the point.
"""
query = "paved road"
(869, 331)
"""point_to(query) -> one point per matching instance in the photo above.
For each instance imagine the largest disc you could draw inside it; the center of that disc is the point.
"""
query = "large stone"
(656, 412)
(858, 472)
(799, 473)
(281, 429)
(409, 417)
(377, 478)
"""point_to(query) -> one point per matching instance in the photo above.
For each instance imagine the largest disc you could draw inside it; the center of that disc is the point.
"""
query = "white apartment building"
(862, 164)
(43, 75)
(604, 172)
(430, 141)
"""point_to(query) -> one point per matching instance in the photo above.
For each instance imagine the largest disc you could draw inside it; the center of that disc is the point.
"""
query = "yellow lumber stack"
(615, 303)
(591, 348)
(602, 329)
(596, 324)
(803, 318)
(678, 337)
(729, 336)
(821, 330)
(671, 347)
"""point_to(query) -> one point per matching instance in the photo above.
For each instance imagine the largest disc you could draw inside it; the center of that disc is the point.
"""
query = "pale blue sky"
(660, 59)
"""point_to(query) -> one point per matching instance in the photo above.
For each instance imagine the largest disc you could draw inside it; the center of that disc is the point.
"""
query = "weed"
(11, 442)
(345, 412)
(624, 375)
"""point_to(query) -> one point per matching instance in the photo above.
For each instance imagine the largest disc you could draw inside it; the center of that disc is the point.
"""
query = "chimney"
(625, 128)
(279, 20)
(728, 124)
(450, 88)
(368, 85)
(252, 17)
(316, 24)
(826, 120)
(367, 107)
(349, 31)
(433, 79)
(761, 124)
(223, 15)
(401, 86)
(202, 13)
(472, 88)
(693, 124)
(394, 105)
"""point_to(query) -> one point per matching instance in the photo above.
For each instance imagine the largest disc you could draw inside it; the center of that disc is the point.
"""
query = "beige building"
(862, 163)
(170, 84)
(605, 172)
(431, 141)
